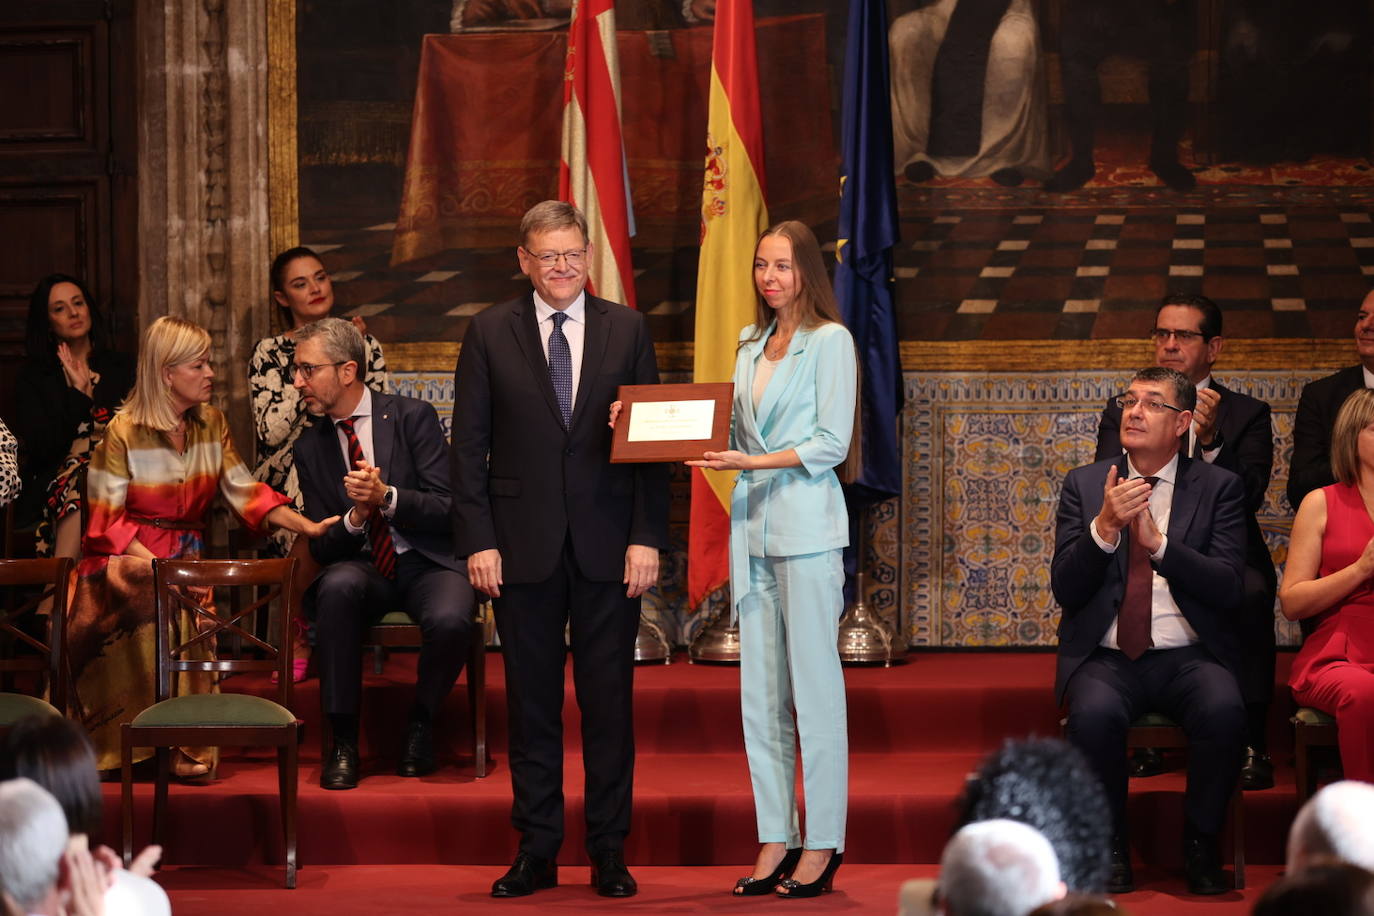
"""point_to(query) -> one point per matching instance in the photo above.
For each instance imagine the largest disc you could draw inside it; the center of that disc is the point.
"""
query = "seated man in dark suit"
(380, 461)
(1232, 431)
(1149, 557)
(1321, 400)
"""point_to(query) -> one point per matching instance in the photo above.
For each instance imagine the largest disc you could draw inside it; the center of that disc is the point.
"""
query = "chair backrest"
(183, 592)
(18, 581)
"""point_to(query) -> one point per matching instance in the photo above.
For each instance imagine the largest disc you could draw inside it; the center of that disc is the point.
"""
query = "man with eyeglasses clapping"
(1149, 557)
(1233, 431)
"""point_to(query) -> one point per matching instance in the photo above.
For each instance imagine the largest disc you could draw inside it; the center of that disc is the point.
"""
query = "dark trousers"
(350, 596)
(1162, 32)
(1109, 691)
(1257, 655)
(603, 624)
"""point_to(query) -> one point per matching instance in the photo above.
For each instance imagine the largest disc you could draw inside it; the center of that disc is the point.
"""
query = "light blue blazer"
(808, 406)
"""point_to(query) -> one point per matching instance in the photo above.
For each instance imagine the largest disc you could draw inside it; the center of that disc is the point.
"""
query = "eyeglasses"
(1160, 335)
(573, 258)
(1128, 402)
(308, 369)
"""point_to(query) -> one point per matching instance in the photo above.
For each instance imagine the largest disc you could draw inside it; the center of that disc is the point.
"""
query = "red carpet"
(915, 729)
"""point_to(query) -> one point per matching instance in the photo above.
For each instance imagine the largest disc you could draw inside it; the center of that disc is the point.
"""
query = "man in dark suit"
(1149, 556)
(377, 460)
(1230, 430)
(558, 535)
(1310, 468)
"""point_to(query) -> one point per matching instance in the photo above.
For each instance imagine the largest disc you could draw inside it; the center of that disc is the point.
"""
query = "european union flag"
(863, 253)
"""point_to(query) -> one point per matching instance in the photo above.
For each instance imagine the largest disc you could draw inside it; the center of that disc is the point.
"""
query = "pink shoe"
(300, 670)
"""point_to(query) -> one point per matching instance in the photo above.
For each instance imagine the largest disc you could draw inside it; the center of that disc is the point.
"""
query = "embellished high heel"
(300, 664)
(821, 885)
(750, 886)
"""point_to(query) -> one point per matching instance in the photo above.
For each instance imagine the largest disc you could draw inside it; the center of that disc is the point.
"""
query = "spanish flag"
(733, 214)
(592, 174)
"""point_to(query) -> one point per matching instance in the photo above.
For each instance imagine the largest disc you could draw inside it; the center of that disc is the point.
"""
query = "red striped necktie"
(378, 531)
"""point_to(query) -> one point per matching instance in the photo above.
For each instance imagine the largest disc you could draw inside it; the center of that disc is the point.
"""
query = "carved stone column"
(203, 224)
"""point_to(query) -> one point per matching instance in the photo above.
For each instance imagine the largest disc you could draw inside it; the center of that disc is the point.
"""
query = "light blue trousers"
(789, 660)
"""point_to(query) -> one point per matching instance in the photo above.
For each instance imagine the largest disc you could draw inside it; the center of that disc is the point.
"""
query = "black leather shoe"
(610, 877)
(1119, 877)
(1258, 771)
(527, 875)
(1146, 761)
(417, 754)
(1172, 173)
(1202, 865)
(340, 767)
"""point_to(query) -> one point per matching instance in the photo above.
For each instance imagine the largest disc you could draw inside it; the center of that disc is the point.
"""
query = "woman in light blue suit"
(795, 415)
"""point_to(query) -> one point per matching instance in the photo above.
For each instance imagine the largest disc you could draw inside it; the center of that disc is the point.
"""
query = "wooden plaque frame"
(624, 451)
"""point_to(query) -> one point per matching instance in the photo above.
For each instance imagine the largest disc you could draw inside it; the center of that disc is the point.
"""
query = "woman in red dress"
(1329, 582)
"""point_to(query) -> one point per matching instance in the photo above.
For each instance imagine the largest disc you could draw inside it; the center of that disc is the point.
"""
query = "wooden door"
(68, 132)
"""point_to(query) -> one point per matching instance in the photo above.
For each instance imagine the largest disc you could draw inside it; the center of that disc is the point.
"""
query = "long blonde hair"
(1355, 414)
(817, 305)
(168, 342)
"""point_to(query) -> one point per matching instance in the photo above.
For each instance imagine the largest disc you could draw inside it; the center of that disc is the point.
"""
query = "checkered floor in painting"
(976, 264)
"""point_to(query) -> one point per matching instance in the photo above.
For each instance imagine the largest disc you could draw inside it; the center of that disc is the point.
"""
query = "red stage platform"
(915, 729)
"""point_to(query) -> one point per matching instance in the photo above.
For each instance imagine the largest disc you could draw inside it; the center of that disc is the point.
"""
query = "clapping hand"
(76, 370)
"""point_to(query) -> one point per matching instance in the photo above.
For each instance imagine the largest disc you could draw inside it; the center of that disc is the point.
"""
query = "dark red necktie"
(378, 531)
(1133, 618)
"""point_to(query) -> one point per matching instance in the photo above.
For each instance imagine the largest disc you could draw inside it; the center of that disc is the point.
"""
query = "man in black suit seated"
(1230, 430)
(1310, 468)
(1149, 557)
(378, 460)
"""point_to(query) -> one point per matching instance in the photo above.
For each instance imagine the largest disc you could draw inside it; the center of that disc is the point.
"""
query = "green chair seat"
(1306, 715)
(16, 706)
(1154, 720)
(396, 619)
(214, 709)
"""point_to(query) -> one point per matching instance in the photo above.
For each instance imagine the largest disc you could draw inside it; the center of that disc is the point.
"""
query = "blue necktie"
(560, 367)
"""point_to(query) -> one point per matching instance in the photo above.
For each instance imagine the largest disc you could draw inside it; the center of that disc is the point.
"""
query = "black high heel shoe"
(821, 885)
(750, 886)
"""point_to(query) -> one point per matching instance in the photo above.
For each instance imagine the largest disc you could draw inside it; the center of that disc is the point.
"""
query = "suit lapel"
(383, 433)
(525, 327)
(746, 418)
(782, 375)
(596, 335)
(1187, 495)
(1123, 547)
(328, 459)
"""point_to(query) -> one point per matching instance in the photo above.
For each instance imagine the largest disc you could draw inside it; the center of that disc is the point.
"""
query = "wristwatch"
(388, 499)
(1216, 443)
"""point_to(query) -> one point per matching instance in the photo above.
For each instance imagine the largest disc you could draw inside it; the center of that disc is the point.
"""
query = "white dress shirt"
(362, 428)
(574, 329)
(1169, 629)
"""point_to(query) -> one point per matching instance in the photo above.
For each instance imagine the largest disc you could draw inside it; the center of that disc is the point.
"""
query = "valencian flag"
(593, 174)
(863, 254)
(733, 215)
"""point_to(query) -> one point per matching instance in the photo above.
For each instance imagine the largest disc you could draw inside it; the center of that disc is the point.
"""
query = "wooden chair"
(398, 630)
(41, 663)
(1154, 730)
(1311, 728)
(217, 719)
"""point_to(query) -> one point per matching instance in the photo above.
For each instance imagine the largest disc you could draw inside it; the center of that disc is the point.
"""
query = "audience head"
(55, 753)
(61, 309)
(331, 359)
(1155, 411)
(554, 251)
(174, 373)
(797, 276)
(1327, 887)
(33, 837)
(997, 868)
(301, 287)
(1336, 823)
(1048, 784)
(1187, 335)
(1364, 331)
(1355, 414)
